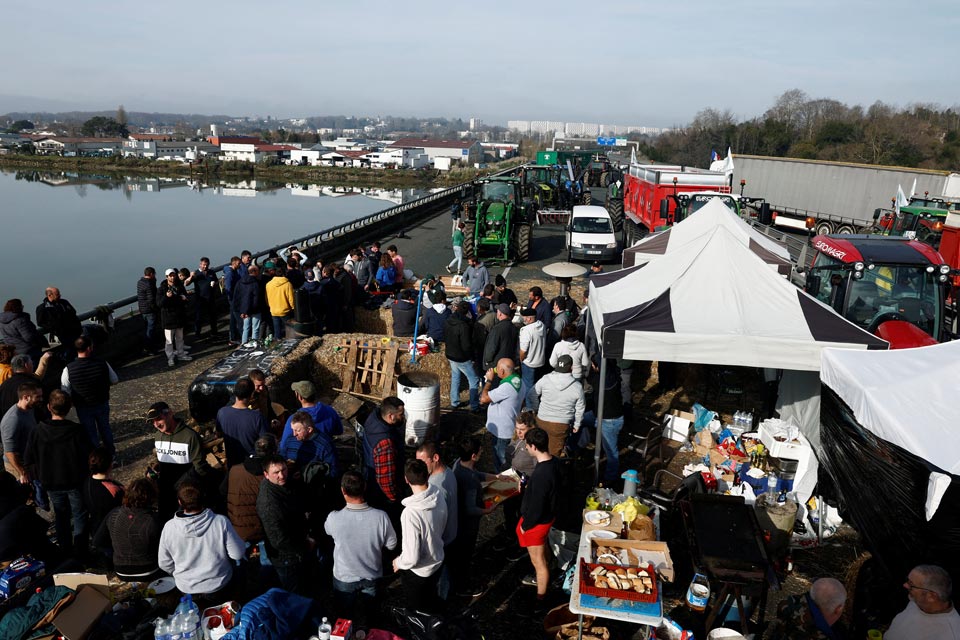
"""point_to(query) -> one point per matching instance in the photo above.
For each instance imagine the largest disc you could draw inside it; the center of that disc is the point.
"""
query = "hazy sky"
(629, 62)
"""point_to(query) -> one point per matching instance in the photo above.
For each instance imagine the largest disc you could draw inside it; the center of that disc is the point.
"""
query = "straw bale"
(374, 321)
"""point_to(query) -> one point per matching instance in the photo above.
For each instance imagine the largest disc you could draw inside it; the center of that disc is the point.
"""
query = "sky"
(629, 62)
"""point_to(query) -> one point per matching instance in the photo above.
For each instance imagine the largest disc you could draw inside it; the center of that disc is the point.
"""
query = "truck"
(823, 197)
(651, 195)
(499, 217)
(894, 287)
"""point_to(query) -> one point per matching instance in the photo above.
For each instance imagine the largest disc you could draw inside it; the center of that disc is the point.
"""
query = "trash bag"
(426, 626)
(703, 417)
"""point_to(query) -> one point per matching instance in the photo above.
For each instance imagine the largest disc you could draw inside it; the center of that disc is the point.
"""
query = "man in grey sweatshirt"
(561, 402)
(198, 548)
(421, 532)
(360, 534)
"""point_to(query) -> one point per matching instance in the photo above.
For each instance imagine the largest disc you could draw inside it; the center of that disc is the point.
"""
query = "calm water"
(92, 236)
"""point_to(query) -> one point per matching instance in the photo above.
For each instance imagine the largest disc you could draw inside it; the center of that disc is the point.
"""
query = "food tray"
(587, 587)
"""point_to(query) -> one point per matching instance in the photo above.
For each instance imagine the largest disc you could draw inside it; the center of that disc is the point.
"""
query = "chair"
(643, 444)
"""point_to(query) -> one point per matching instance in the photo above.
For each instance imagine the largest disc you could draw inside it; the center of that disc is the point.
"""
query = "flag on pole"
(901, 200)
(913, 189)
(713, 156)
(728, 162)
(633, 155)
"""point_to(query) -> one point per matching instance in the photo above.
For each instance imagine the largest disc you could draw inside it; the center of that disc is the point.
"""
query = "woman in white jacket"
(569, 345)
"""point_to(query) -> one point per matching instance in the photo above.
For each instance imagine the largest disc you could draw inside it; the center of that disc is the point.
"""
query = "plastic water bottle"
(160, 630)
(190, 626)
(772, 482)
(323, 633)
(173, 627)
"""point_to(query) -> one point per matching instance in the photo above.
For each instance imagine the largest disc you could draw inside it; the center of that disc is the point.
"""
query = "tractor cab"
(893, 287)
(499, 219)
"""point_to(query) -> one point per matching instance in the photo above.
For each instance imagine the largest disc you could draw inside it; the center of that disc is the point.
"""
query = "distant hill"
(135, 118)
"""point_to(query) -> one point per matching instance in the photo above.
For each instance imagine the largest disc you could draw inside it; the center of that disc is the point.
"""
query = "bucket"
(630, 481)
(420, 393)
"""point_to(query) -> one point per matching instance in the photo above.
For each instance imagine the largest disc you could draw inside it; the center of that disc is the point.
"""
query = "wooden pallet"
(368, 369)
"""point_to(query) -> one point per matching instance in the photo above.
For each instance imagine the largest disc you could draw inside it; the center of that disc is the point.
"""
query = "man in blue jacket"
(246, 303)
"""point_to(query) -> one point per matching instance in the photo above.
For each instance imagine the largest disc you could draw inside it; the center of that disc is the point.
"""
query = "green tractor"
(541, 184)
(499, 217)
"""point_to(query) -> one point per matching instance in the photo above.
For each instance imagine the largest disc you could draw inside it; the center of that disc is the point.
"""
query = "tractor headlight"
(943, 277)
(930, 269)
(858, 266)
(944, 269)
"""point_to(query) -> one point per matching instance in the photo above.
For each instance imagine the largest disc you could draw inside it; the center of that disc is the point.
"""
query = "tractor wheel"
(468, 243)
(615, 209)
(587, 197)
(604, 179)
(823, 227)
(524, 240)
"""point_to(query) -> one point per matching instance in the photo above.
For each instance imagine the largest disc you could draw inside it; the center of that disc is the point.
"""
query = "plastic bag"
(703, 416)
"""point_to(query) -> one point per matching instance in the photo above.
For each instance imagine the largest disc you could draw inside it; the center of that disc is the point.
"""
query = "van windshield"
(592, 225)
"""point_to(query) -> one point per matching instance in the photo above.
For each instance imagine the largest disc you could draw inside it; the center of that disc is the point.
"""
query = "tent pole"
(598, 443)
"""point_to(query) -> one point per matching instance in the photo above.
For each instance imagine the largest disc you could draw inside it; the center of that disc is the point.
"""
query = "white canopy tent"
(713, 214)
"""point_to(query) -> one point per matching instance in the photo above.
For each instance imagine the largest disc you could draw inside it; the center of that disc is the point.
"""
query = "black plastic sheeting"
(882, 491)
(212, 389)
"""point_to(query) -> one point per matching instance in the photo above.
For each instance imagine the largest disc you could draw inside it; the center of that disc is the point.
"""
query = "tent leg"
(598, 444)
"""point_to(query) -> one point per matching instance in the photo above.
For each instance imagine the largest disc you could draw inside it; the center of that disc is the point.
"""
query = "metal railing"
(797, 246)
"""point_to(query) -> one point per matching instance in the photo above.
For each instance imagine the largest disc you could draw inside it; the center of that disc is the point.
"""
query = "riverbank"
(335, 176)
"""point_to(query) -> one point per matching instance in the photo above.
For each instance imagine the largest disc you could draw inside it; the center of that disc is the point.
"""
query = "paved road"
(426, 248)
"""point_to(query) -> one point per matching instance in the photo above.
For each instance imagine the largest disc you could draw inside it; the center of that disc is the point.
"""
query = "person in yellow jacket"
(280, 300)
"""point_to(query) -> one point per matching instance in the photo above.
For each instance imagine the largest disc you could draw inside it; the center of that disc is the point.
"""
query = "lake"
(91, 236)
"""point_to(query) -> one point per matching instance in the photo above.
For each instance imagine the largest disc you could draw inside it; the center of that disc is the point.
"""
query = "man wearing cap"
(326, 421)
(179, 455)
(506, 295)
(504, 404)
(561, 402)
(501, 340)
(532, 349)
(595, 268)
(239, 425)
(172, 300)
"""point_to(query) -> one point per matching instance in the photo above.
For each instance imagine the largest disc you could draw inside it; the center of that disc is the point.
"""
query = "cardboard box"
(79, 618)
(76, 580)
(641, 553)
(20, 574)
(342, 630)
(676, 425)
(704, 443)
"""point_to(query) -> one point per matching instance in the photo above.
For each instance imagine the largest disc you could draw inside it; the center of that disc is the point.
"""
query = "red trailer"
(647, 202)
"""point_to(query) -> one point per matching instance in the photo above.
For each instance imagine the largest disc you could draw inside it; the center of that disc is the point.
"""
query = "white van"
(590, 235)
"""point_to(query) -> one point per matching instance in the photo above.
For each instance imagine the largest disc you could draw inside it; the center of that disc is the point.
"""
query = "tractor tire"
(822, 227)
(468, 241)
(604, 179)
(615, 209)
(587, 197)
(524, 242)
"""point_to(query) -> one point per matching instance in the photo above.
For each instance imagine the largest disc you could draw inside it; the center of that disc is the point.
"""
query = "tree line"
(798, 126)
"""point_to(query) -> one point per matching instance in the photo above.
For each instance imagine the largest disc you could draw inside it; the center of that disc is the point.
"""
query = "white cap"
(169, 271)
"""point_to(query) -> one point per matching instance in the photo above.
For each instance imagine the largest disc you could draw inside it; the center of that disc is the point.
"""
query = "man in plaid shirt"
(383, 455)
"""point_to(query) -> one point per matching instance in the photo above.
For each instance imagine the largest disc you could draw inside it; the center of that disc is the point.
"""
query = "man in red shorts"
(538, 508)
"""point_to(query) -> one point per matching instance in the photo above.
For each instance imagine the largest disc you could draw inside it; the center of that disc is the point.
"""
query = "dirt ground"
(506, 608)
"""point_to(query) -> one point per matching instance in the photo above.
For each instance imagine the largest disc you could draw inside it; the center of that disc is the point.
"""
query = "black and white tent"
(714, 301)
(711, 215)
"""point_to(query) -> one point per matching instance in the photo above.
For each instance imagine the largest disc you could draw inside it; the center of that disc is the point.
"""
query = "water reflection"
(231, 188)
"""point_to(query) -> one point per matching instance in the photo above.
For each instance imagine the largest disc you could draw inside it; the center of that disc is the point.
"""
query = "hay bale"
(374, 321)
(290, 368)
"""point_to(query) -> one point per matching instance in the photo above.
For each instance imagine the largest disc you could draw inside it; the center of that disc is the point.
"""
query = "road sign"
(606, 142)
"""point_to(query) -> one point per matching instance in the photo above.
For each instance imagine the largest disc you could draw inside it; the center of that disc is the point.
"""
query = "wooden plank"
(349, 368)
(389, 367)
